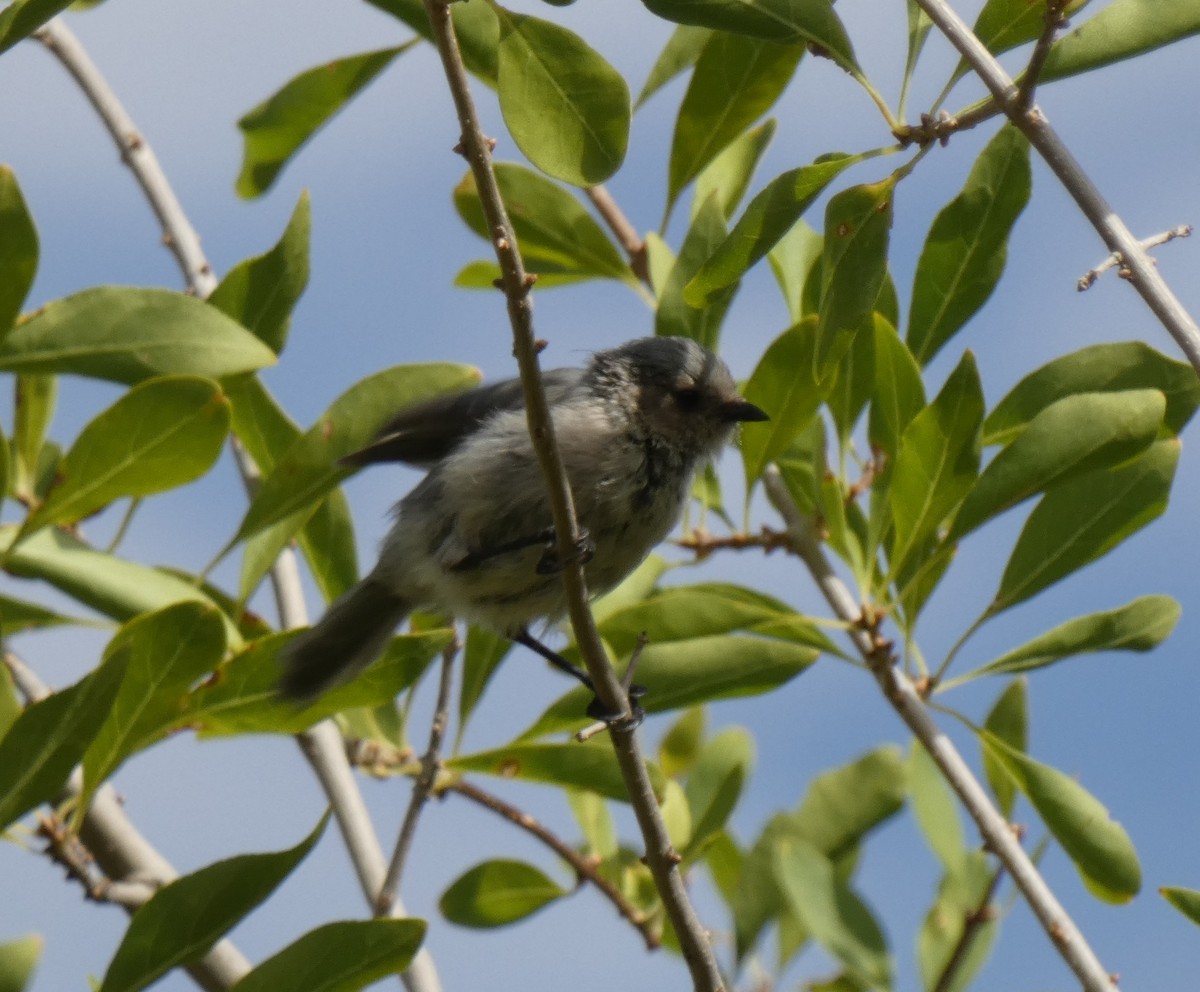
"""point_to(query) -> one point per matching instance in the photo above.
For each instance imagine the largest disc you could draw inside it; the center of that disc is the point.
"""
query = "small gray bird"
(474, 539)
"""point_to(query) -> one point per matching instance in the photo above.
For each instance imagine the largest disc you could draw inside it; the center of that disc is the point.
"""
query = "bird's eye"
(688, 399)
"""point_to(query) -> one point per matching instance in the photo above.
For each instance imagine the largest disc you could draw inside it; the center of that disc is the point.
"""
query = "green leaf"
(566, 108)
(1138, 626)
(161, 434)
(277, 128)
(715, 784)
(557, 235)
(339, 957)
(936, 464)
(919, 26)
(1097, 844)
(831, 912)
(786, 22)
(596, 823)
(327, 538)
(1187, 901)
(1008, 719)
(728, 175)
(1084, 519)
(899, 393)
(18, 247)
(678, 55)
(843, 804)
(854, 383)
(244, 697)
(18, 959)
(858, 222)
(591, 766)
(22, 17)
(496, 893)
(47, 740)
(169, 651)
(126, 334)
(1004, 24)
(770, 215)
(1121, 30)
(936, 810)
(482, 655)
(1098, 368)
(35, 397)
(792, 259)
(110, 585)
(736, 79)
(1077, 434)
(680, 745)
(967, 245)
(675, 314)
(16, 616)
(685, 673)
(309, 469)
(183, 920)
(260, 293)
(840, 808)
(475, 26)
(782, 384)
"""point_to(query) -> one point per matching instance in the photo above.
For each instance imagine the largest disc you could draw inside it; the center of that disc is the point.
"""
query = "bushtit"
(474, 539)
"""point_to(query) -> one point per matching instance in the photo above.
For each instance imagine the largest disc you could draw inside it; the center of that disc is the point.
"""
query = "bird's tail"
(351, 635)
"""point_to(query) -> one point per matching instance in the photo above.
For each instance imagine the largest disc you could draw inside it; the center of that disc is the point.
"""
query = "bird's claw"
(618, 721)
(551, 562)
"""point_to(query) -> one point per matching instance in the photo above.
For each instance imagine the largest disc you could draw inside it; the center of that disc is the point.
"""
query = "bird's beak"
(738, 410)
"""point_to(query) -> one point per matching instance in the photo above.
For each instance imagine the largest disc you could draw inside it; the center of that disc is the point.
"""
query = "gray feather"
(352, 634)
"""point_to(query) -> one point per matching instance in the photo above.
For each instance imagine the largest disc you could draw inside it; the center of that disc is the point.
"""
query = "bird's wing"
(427, 432)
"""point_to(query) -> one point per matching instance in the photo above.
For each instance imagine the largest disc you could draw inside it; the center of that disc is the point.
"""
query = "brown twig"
(703, 544)
(584, 868)
(624, 231)
(1089, 278)
(941, 126)
(1055, 22)
(972, 924)
(423, 786)
(660, 855)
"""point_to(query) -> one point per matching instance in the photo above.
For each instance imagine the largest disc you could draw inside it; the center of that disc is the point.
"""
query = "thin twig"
(1089, 278)
(423, 785)
(702, 543)
(624, 231)
(322, 744)
(899, 690)
(1034, 125)
(120, 851)
(661, 858)
(584, 868)
(975, 919)
(1055, 21)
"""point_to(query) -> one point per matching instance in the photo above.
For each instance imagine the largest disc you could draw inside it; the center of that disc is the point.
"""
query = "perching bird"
(474, 539)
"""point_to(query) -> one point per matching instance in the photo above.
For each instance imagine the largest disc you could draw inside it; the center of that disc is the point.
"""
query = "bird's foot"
(583, 552)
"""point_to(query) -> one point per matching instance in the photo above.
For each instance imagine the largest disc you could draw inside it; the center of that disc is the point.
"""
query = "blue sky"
(386, 245)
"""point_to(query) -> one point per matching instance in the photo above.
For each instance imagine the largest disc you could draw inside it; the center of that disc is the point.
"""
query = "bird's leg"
(476, 558)
(551, 562)
(548, 564)
(595, 708)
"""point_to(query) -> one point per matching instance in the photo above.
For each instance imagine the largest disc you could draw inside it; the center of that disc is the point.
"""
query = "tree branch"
(423, 786)
(633, 243)
(322, 744)
(1034, 125)
(516, 283)
(899, 690)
